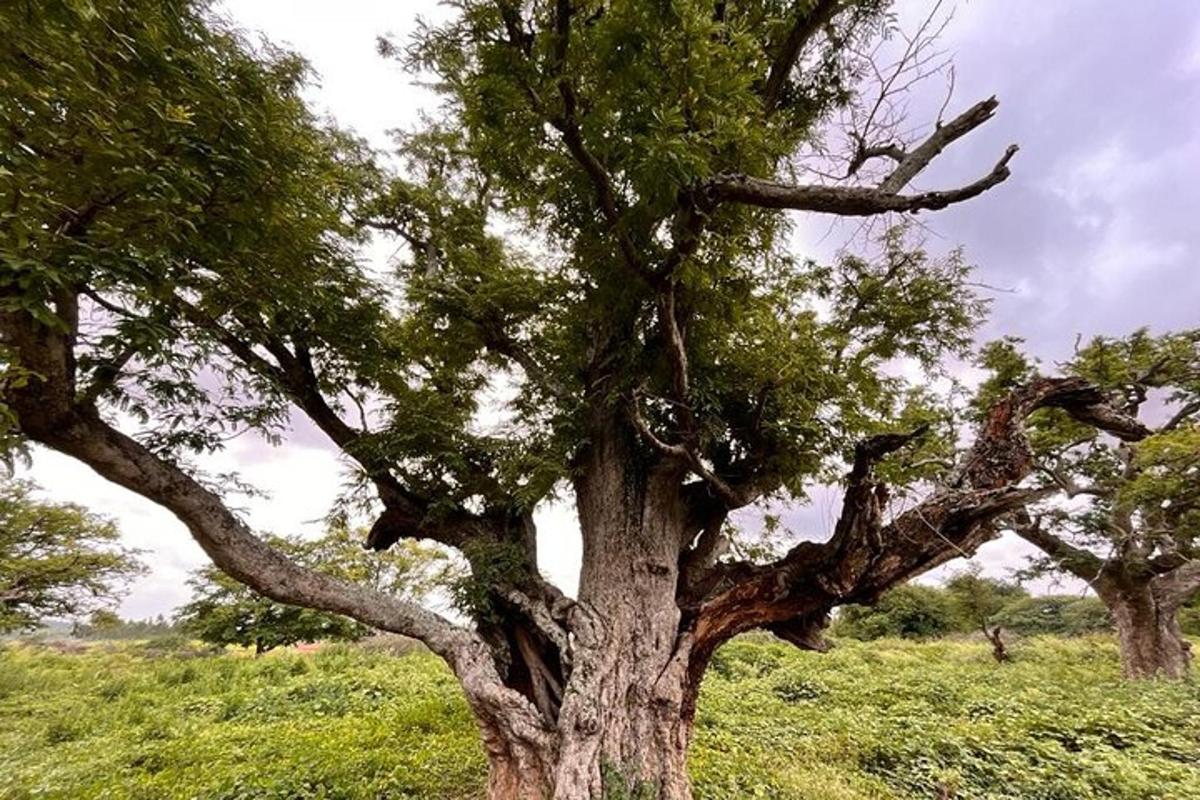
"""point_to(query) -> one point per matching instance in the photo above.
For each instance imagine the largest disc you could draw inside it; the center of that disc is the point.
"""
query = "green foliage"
(619, 786)
(966, 603)
(1063, 615)
(1138, 503)
(105, 625)
(224, 611)
(911, 611)
(171, 168)
(977, 600)
(1189, 618)
(495, 564)
(886, 721)
(157, 159)
(57, 560)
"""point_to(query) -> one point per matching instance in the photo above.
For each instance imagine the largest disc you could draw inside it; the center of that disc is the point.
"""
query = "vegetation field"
(887, 719)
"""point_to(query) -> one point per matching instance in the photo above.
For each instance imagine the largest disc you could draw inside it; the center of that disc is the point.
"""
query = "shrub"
(1061, 615)
(910, 612)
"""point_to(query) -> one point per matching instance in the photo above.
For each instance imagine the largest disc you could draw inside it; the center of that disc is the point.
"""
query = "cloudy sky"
(1095, 232)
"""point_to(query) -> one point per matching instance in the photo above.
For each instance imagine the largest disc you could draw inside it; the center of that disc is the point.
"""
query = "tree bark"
(1151, 642)
(995, 636)
(622, 722)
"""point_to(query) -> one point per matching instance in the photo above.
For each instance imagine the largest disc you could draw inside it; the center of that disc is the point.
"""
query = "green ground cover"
(886, 719)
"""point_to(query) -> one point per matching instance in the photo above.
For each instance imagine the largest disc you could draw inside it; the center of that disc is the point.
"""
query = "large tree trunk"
(628, 748)
(625, 719)
(1151, 642)
(622, 722)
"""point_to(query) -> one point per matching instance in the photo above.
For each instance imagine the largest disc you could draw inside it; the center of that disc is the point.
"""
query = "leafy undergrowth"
(872, 720)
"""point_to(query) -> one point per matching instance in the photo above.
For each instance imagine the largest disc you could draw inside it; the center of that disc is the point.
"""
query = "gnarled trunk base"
(623, 732)
(640, 755)
(1151, 641)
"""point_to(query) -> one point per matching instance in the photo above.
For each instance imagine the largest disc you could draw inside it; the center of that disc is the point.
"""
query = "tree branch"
(567, 123)
(1181, 416)
(1079, 562)
(865, 557)
(851, 201)
(808, 22)
(48, 413)
(1180, 585)
(405, 513)
(919, 157)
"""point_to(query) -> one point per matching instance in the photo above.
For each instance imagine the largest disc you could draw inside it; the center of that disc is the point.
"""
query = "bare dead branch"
(918, 158)
(851, 201)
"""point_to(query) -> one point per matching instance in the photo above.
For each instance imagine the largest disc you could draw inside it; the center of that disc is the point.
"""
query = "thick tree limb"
(1181, 416)
(1082, 564)
(867, 200)
(1180, 585)
(866, 557)
(918, 158)
(48, 413)
(404, 513)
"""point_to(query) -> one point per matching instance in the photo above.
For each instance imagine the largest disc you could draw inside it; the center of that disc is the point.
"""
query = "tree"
(977, 600)
(1123, 516)
(180, 264)
(224, 611)
(1055, 615)
(57, 560)
(910, 611)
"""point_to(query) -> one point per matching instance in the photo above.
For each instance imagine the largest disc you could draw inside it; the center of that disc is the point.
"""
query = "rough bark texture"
(1151, 641)
(622, 716)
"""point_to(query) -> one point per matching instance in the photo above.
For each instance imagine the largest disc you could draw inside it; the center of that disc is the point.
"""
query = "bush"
(1189, 618)
(910, 612)
(1061, 615)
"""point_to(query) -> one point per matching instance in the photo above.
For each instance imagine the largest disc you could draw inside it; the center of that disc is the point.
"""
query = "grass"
(872, 720)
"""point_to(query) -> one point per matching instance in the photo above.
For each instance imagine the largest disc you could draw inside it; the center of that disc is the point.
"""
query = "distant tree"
(57, 560)
(911, 611)
(107, 625)
(224, 611)
(1054, 615)
(977, 599)
(103, 621)
(1121, 515)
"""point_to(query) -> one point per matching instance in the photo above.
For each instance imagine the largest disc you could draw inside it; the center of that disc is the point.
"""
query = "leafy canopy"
(1137, 503)
(169, 170)
(977, 599)
(57, 560)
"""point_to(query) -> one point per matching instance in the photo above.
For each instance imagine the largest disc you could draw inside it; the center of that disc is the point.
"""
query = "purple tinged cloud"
(1096, 230)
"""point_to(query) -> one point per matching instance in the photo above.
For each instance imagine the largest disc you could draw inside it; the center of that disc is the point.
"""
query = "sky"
(1095, 232)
